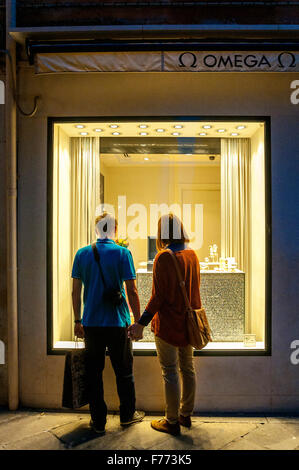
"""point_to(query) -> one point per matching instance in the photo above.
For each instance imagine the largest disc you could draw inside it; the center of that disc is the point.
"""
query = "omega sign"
(228, 62)
(168, 61)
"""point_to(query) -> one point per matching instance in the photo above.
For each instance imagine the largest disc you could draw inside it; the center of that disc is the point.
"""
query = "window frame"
(266, 120)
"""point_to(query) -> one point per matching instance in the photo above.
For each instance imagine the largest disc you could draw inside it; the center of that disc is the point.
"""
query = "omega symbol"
(193, 58)
(292, 62)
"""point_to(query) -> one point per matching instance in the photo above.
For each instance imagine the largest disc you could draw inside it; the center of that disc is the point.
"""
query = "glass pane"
(214, 181)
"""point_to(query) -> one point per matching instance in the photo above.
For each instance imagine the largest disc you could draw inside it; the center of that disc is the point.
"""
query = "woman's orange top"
(167, 304)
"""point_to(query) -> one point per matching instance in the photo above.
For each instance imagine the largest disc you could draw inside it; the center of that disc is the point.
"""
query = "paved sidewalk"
(53, 430)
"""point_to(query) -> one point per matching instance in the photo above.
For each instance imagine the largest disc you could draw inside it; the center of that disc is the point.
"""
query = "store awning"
(70, 62)
(167, 61)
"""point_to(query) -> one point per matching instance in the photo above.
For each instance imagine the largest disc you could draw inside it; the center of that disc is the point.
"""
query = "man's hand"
(135, 331)
(133, 298)
(79, 330)
(76, 296)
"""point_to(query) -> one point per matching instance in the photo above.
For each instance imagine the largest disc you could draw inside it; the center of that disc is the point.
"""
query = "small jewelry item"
(77, 321)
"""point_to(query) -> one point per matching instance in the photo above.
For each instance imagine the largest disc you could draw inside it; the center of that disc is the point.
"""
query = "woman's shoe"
(164, 426)
(185, 421)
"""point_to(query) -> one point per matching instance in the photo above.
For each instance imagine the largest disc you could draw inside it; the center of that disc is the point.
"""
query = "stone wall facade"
(170, 12)
(3, 310)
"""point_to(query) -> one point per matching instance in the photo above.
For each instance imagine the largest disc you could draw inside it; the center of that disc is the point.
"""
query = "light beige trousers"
(175, 362)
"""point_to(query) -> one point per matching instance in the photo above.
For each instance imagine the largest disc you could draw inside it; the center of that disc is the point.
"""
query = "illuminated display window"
(214, 173)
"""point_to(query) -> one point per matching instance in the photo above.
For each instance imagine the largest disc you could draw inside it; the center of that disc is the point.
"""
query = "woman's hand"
(135, 331)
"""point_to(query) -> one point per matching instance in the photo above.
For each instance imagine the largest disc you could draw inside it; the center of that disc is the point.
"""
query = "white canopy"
(170, 61)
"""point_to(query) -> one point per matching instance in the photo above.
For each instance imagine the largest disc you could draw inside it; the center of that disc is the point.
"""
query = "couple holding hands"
(106, 326)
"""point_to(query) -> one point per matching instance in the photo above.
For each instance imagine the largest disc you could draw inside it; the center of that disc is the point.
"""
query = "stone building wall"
(167, 12)
(3, 310)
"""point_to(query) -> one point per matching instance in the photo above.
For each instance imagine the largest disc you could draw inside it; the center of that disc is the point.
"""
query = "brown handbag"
(198, 329)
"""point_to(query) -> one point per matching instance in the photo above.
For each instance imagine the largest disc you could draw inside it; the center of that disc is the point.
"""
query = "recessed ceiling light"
(240, 127)
(203, 133)
(207, 126)
(178, 126)
(234, 133)
(143, 133)
(98, 130)
(175, 133)
(160, 130)
(79, 126)
(220, 130)
(83, 133)
(115, 133)
(143, 126)
(113, 126)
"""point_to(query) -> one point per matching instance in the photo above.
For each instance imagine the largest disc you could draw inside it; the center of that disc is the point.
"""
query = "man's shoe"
(97, 429)
(185, 421)
(136, 418)
(164, 426)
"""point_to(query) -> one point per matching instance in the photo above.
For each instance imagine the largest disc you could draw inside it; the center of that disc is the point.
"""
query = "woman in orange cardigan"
(166, 309)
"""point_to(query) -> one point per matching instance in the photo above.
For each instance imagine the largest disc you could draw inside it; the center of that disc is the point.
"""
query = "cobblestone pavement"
(54, 430)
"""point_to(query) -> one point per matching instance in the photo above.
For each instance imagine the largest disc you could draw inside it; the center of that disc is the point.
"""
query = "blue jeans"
(97, 339)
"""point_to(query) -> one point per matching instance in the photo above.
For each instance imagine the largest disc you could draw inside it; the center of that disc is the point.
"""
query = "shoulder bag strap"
(97, 258)
(181, 280)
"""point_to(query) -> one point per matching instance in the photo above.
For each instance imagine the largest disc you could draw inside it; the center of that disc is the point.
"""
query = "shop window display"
(210, 173)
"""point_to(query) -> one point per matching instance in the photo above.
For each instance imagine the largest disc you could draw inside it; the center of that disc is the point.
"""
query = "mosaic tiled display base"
(223, 296)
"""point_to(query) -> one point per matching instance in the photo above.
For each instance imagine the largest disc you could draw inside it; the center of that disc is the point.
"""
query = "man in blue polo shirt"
(101, 267)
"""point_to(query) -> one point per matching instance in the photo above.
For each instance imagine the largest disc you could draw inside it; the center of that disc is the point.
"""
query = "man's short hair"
(106, 224)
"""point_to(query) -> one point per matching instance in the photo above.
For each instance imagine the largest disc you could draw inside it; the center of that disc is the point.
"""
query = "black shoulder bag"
(111, 295)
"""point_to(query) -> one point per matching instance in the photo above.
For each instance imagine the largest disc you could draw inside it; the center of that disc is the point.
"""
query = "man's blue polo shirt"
(117, 266)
